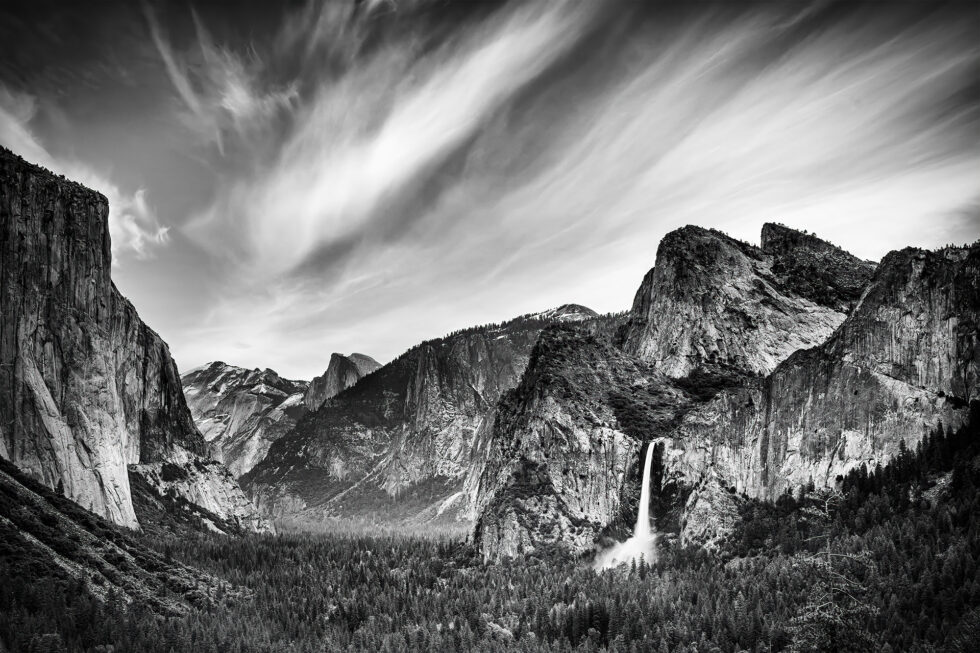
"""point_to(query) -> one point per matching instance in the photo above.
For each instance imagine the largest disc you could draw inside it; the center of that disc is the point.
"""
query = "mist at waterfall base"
(643, 544)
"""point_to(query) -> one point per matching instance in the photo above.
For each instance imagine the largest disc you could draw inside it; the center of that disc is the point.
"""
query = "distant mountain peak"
(342, 372)
(365, 363)
(241, 411)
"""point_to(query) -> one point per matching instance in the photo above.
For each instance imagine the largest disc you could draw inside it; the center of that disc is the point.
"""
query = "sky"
(288, 180)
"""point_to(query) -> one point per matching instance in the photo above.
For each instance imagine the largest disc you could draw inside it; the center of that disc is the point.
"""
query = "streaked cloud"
(364, 137)
(368, 175)
(221, 93)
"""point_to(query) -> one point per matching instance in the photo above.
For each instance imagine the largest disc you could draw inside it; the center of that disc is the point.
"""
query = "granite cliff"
(713, 299)
(904, 361)
(552, 465)
(88, 392)
(711, 319)
(342, 372)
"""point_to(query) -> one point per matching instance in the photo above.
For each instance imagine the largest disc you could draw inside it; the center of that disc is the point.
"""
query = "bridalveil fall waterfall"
(641, 531)
(642, 544)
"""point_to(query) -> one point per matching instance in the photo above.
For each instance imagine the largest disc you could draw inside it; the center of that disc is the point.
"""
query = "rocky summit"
(241, 412)
(815, 269)
(342, 372)
(751, 370)
(711, 298)
(88, 392)
(904, 362)
(396, 446)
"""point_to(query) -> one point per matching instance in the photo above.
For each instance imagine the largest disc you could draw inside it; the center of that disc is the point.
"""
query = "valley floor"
(890, 563)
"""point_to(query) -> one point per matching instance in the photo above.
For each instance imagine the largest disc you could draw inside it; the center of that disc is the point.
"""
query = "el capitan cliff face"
(86, 389)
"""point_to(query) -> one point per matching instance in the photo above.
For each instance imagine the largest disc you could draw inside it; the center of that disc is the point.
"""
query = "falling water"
(643, 542)
(642, 529)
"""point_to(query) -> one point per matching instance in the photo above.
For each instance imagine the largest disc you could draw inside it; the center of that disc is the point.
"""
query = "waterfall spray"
(643, 542)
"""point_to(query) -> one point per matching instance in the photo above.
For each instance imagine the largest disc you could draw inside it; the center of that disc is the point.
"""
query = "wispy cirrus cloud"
(363, 175)
(365, 136)
(133, 225)
(220, 90)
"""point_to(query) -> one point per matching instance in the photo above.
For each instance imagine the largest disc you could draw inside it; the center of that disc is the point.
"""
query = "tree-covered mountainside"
(52, 548)
(886, 562)
(394, 448)
(814, 268)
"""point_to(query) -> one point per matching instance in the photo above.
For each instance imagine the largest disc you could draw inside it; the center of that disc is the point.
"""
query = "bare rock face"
(687, 379)
(710, 513)
(86, 388)
(552, 467)
(241, 412)
(711, 298)
(396, 446)
(342, 372)
(905, 360)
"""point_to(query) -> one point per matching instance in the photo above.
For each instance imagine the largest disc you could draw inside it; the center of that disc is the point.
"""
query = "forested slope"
(886, 563)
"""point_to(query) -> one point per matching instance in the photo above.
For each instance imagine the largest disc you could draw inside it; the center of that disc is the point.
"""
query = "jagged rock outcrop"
(202, 492)
(342, 372)
(86, 388)
(710, 513)
(396, 446)
(711, 317)
(554, 462)
(711, 298)
(906, 359)
(815, 269)
(241, 412)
